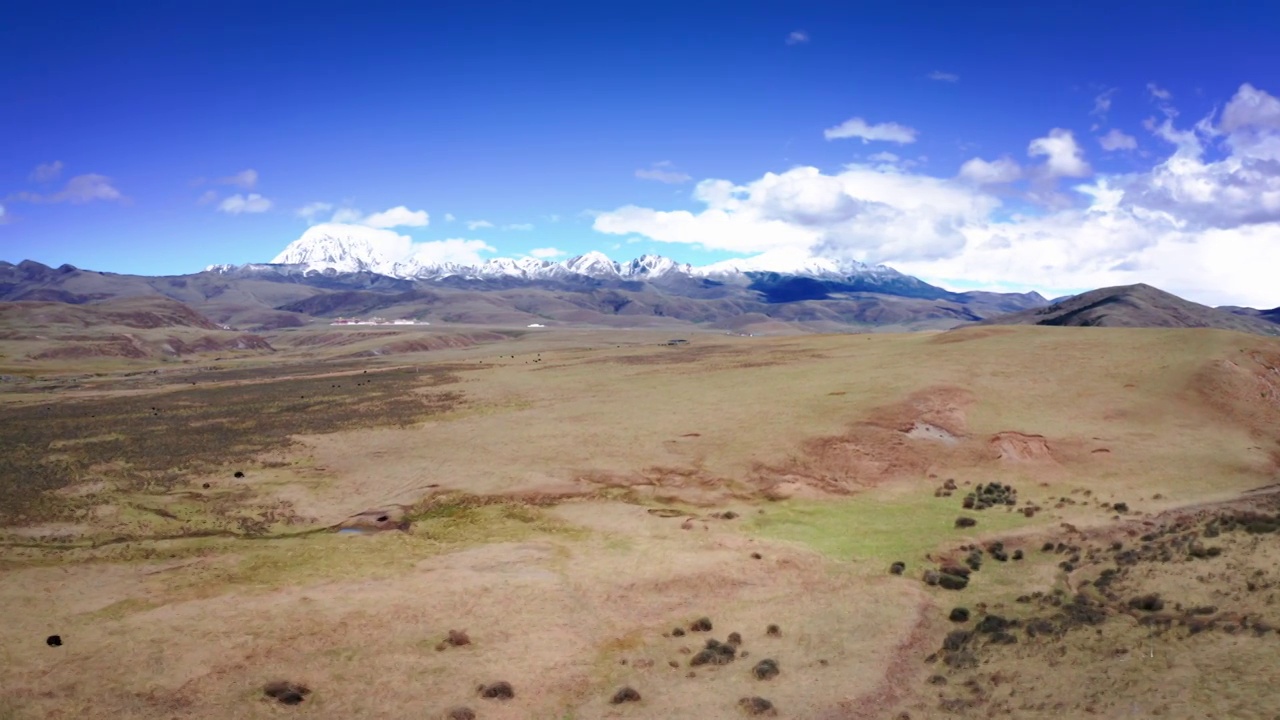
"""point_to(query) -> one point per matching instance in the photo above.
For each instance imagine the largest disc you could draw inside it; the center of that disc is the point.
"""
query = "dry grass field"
(574, 501)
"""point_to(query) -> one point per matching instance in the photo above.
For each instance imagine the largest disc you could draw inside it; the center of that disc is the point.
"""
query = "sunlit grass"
(878, 526)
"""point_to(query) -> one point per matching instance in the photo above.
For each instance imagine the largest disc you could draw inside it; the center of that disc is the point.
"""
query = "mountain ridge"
(1138, 305)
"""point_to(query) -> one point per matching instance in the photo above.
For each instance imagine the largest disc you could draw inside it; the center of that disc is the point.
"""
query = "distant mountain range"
(328, 273)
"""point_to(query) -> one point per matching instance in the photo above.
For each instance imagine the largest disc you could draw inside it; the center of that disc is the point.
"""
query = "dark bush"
(952, 582)
(765, 669)
(1040, 626)
(54, 641)
(460, 713)
(1147, 603)
(959, 615)
(625, 695)
(500, 690)
(701, 625)
(992, 624)
(965, 522)
(756, 706)
(773, 631)
(956, 640)
(285, 692)
(898, 568)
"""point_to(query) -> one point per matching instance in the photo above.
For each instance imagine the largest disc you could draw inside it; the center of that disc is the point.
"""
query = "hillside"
(1134, 306)
(584, 291)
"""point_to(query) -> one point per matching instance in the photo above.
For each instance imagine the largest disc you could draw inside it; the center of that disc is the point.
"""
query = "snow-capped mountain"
(328, 249)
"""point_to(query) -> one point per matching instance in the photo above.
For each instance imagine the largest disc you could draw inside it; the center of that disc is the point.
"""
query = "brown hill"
(144, 313)
(1137, 306)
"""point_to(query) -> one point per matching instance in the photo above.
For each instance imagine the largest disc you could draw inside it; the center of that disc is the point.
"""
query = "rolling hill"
(1135, 306)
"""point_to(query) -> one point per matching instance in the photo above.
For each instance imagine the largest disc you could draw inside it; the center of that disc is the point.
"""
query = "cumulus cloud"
(46, 172)
(386, 248)
(1202, 221)
(1064, 157)
(454, 250)
(546, 253)
(478, 224)
(1117, 140)
(944, 76)
(663, 172)
(399, 216)
(1251, 108)
(998, 171)
(873, 213)
(797, 37)
(884, 132)
(251, 203)
(78, 190)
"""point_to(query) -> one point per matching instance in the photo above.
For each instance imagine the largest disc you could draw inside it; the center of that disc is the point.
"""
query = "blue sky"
(128, 132)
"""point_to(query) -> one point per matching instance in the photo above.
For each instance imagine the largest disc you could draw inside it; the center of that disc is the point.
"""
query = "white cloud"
(46, 172)
(1158, 92)
(546, 253)
(944, 76)
(797, 37)
(998, 171)
(1117, 140)
(2, 216)
(346, 215)
(1102, 103)
(399, 216)
(448, 217)
(1203, 221)
(1251, 108)
(206, 197)
(311, 211)
(477, 224)
(663, 172)
(1065, 157)
(251, 203)
(246, 179)
(78, 190)
(385, 248)
(872, 212)
(453, 250)
(884, 157)
(521, 227)
(883, 132)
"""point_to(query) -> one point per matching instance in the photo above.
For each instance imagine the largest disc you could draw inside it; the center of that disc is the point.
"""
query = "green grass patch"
(877, 526)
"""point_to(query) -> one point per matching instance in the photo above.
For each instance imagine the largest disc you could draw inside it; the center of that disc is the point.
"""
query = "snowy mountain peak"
(337, 248)
(334, 247)
(592, 264)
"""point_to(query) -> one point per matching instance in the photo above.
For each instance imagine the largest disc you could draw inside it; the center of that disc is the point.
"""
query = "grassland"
(570, 498)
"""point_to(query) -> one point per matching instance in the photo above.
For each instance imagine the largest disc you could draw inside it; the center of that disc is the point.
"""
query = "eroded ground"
(575, 503)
